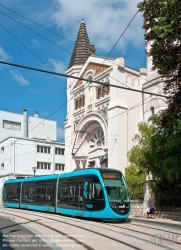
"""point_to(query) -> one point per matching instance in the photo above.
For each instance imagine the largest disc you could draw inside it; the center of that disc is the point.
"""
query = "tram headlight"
(113, 205)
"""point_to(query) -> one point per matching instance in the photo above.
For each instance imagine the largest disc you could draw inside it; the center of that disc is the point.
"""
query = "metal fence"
(169, 201)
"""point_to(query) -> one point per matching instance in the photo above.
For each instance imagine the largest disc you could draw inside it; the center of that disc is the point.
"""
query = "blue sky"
(105, 21)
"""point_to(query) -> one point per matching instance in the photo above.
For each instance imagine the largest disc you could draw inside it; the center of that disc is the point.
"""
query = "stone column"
(147, 192)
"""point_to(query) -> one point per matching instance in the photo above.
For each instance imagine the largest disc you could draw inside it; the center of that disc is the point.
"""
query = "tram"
(90, 193)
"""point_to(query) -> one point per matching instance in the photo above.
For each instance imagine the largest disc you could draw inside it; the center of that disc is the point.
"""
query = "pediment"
(96, 67)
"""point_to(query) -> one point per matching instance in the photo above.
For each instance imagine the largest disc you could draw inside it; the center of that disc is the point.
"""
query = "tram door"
(93, 194)
(80, 194)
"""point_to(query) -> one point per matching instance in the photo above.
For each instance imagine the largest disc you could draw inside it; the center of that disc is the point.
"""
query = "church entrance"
(92, 164)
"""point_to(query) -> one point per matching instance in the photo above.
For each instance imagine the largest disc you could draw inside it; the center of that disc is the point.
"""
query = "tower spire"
(82, 49)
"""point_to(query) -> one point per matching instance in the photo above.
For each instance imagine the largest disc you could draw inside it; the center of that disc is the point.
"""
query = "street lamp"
(34, 170)
(101, 158)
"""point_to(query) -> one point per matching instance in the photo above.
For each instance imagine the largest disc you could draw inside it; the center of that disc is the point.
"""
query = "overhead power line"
(105, 59)
(120, 36)
(35, 32)
(36, 23)
(24, 45)
(80, 78)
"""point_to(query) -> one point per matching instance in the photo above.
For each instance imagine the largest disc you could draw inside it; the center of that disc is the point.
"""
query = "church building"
(102, 120)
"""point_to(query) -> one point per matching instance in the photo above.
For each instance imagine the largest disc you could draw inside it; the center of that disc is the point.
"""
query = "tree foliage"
(163, 31)
(158, 150)
(135, 178)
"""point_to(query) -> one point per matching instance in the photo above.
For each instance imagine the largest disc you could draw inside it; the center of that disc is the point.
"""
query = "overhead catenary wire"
(36, 23)
(120, 36)
(43, 120)
(65, 38)
(114, 46)
(36, 33)
(70, 144)
(80, 78)
(26, 67)
(133, 107)
(122, 83)
(126, 111)
(24, 45)
(62, 36)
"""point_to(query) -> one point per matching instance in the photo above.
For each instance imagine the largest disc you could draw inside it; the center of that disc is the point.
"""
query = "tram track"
(74, 239)
(89, 223)
(57, 231)
(149, 227)
(142, 232)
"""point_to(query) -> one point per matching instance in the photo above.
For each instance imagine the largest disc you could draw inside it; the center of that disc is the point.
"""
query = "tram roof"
(76, 172)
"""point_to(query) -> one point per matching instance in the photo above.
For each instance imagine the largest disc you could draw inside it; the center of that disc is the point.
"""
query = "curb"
(7, 216)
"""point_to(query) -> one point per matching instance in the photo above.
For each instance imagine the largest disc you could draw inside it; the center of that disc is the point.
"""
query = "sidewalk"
(156, 219)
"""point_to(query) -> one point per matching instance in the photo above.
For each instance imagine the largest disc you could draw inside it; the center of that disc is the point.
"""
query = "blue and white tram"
(90, 193)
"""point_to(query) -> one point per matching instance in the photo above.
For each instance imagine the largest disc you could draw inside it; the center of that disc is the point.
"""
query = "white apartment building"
(28, 146)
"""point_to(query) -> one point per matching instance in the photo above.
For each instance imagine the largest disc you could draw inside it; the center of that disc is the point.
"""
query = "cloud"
(19, 78)
(57, 65)
(105, 21)
(35, 42)
(3, 55)
(60, 133)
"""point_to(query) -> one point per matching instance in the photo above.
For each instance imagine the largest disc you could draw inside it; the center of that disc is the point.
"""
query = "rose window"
(96, 139)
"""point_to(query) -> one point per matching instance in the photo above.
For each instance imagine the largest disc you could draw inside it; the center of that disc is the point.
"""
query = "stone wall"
(136, 207)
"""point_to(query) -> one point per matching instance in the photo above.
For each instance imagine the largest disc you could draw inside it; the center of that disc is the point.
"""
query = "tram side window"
(93, 194)
(28, 193)
(70, 193)
(45, 192)
(67, 195)
(13, 192)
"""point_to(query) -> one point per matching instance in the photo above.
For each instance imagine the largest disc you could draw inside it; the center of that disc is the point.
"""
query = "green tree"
(135, 178)
(157, 150)
(163, 30)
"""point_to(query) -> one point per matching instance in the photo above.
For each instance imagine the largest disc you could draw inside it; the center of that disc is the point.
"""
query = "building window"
(59, 151)
(59, 166)
(2, 150)
(2, 166)
(99, 93)
(11, 125)
(80, 102)
(103, 90)
(44, 165)
(43, 149)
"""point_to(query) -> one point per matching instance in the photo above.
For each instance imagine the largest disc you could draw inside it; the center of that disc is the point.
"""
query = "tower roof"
(82, 49)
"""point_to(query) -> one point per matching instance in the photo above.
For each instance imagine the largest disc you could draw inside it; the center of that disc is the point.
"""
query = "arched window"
(89, 78)
(99, 93)
(83, 100)
(103, 91)
(80, 103)
(76, 104)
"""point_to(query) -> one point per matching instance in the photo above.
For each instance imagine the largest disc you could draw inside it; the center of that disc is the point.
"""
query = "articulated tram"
(90, 193)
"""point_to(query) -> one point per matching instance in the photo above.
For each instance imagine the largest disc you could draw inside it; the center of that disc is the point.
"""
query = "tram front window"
(116, 187)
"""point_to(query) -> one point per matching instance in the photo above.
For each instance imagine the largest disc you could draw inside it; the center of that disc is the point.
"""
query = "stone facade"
(101, 119)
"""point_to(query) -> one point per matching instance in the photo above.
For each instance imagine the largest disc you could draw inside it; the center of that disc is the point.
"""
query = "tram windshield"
(116, 187)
